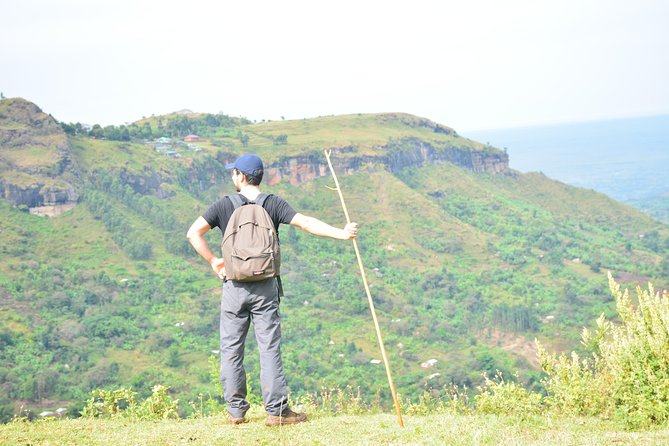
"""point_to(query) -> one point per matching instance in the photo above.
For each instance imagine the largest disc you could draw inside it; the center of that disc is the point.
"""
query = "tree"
(138, 249)
(664, 267)
(212, 120)
(124, 133)
(173, 357)
(96, 131)
(280, 140)
(68, 128)
(112, 133)
(244, 139)
(146, 131)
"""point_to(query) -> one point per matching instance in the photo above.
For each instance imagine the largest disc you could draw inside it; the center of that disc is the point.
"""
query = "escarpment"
(410, 152)
(37, 167)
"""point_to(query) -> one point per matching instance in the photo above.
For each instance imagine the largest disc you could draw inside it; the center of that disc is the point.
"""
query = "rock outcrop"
(37, 167)
(397, 155)
(149, 182)
(393, 157)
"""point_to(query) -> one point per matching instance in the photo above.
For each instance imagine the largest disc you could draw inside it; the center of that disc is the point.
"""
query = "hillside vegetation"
(468, 262)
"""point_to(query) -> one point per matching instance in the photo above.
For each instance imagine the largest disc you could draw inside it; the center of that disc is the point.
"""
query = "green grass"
(32, 157)
(364, 130)
(133, 157)
(438, 429)
(368, 133)
(22, 179)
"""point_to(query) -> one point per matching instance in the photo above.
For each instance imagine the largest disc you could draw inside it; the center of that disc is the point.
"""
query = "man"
(243, 302)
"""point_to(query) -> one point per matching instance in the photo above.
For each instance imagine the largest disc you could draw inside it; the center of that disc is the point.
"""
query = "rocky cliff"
(37, 167)
(395, 156)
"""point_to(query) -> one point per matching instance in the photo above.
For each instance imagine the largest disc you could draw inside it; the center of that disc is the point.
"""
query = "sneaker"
(238, 420)
(289, 417)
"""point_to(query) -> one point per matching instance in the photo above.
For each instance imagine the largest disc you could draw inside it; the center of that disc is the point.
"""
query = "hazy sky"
(467, 64)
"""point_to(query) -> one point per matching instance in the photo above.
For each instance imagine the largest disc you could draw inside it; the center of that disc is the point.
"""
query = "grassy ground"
(383, 429)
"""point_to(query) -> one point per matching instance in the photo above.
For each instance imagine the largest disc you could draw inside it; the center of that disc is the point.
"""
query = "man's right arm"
(315, 226)
(195, 236)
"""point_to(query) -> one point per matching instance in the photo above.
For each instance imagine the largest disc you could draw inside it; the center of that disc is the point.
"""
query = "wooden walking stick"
(369, 298)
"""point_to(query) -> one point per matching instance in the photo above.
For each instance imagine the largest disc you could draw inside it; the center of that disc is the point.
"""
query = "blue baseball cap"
(249, 164)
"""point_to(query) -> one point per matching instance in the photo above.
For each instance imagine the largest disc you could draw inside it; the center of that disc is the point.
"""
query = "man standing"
(243, 302)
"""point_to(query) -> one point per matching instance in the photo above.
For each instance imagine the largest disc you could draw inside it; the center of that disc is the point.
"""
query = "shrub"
(627, 375)
(158, 406)
(108, 402)
(501, 397)
(575, 385)
(121, 402)
(637, 357)
(451, 399)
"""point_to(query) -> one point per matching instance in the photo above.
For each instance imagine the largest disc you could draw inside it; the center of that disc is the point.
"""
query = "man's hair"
(253, 180)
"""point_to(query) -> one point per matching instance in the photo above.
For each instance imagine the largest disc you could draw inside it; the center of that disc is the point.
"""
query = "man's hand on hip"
(218, 266)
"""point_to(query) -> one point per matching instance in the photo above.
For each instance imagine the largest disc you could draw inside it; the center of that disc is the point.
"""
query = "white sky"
(470, 65)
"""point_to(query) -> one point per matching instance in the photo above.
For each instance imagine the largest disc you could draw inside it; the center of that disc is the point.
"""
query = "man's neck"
(249, 191)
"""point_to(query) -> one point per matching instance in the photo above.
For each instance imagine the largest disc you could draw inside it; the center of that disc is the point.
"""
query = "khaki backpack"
(250, 244)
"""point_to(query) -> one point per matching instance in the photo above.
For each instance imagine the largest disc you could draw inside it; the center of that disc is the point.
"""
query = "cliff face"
(36, 163)
(395, 156)
(410, 152)
(39, 194)
(296, 170)
(149, 182)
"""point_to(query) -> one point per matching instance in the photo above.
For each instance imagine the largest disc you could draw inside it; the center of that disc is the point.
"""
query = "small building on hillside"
(191, 138)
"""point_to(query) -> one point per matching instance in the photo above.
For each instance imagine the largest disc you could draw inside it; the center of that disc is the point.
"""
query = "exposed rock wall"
(148, 183)
(296, 170)
(37, 167)
(24, 195)
(411, 153)
(39, 194)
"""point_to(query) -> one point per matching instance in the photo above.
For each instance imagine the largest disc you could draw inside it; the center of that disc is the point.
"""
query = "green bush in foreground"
(453, 400)
(501, 397)
(626, 375)
(121, 402)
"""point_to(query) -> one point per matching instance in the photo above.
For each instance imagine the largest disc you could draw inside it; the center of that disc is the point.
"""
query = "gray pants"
(242, 303)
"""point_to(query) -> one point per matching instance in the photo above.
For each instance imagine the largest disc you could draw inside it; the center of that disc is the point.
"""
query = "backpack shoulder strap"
(237, 200)
(261, 198)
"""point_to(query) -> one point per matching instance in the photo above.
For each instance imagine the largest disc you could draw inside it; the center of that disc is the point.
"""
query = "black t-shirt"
(220, 212)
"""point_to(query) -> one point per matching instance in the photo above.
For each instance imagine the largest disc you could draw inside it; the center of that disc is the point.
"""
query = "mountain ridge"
(397, 153)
